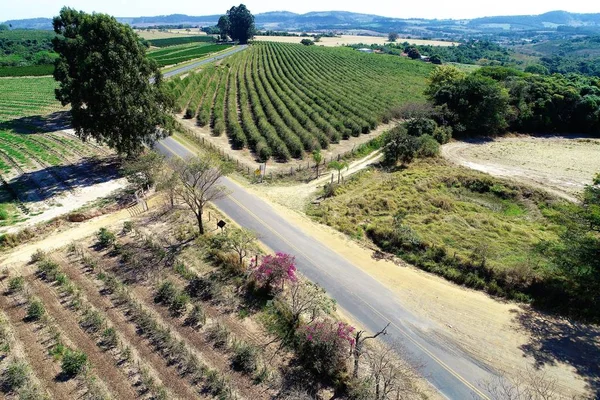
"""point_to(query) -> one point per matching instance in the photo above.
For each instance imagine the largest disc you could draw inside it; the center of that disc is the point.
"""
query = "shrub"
(442, 134)
(73, 363)
(245, 358)
(189, 113)
(48, 269)
(15, 376)
(400, 146)
(16, 284)
(219, 334)
(179, 303)
(196, 318)
(166, 293)
(92, 320)
(36, 310)
(325, 346)
(428, 147)
(105, 238)
(110, 338)
(127, 226)
(420, 126)
(329, 190)
(38, 256)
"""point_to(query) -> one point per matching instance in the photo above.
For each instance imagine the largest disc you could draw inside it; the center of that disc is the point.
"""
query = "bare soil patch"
(562, 165)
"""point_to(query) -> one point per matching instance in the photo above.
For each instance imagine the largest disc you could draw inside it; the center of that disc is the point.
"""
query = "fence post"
(291, 171)
(332, 178)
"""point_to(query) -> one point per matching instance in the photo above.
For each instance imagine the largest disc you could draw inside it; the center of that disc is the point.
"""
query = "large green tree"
(105, 75)
(241, 24)
(224, 26)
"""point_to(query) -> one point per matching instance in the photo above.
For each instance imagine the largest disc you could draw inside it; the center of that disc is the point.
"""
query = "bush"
(92, 320)
(127, 226)
(15, 376)
(219, 334)
(400, 146)
(16, 284)
(35, 311)
(442, 134)
(325, 346)
(166, 293)
(73, 363)
(420, 126)
(110, 338)
(245, 358)
(38, 256)
(105, 238)
(48, 269)
(189, 113)
(179, 303)
(196, 318)
(428, 147)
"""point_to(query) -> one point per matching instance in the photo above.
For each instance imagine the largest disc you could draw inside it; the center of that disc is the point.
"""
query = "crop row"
(181, 55)
(290, 100)
(27, 96)
(174, 41)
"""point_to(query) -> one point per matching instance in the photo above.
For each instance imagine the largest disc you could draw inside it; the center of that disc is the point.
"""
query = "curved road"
(195, 65)
(454, 373)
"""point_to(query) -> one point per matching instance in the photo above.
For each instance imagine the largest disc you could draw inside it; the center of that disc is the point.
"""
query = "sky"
(455, 9)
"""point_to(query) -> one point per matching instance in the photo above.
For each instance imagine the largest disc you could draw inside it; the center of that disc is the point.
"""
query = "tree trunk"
(200, 224)
(339, 173)
(357, 351)
(317, 166)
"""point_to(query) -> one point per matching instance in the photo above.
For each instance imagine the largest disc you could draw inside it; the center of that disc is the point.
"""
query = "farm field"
(150, 34)
(283, 101)
(563, 165)
(157, 311)
(177, 54)
(44, 174)
(350, 39)
(27, 96)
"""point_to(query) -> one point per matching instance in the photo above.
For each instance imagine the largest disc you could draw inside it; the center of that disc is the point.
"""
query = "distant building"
(365, 50)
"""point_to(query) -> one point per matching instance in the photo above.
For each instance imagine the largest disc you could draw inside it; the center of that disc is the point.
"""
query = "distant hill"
(554, 24)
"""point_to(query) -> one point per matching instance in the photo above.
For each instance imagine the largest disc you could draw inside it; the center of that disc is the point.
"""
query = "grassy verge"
(464, 225)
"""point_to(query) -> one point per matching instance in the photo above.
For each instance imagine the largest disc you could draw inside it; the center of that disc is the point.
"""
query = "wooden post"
(291, 171)
(338, 157)
(332, 178)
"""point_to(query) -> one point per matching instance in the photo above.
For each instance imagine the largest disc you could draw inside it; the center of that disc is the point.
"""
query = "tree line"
(493, 100)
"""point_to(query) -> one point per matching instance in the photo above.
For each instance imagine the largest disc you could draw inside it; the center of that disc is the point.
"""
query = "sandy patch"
(351, 39)
(560, 165)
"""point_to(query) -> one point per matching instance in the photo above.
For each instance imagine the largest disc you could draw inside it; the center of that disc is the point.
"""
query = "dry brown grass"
(351, 39)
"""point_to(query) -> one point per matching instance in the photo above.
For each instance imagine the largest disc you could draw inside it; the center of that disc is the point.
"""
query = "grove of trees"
(492, 100)
(238, 24)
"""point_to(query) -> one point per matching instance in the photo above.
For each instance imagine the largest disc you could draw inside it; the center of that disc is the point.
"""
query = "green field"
(23, 97)
(293, 99)
(174, 41)
(178, 54)
(464, 225)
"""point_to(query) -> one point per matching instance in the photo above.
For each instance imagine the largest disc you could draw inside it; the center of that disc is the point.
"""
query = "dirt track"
(559, 165)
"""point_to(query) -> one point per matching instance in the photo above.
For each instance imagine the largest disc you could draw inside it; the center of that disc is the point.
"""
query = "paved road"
(451, 371)
(195, 65)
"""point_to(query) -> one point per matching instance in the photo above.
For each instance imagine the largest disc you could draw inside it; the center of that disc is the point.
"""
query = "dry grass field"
(156, 34)
(561, 165)
(350, 39)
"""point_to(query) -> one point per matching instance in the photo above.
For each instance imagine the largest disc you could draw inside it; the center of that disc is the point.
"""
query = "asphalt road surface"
(195, 65)
(453, 372)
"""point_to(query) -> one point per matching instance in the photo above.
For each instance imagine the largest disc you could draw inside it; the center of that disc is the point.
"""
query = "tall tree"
(224, 26)
(242, 24)
(105, 75)
(393, 36)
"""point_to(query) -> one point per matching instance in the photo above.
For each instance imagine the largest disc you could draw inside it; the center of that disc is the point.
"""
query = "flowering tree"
(275, 271)
(326, 346)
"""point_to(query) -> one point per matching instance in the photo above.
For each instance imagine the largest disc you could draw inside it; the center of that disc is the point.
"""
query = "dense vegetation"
(471, 52)
(293, 99)
(177, 54)
(492, 100)
(26, 47)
